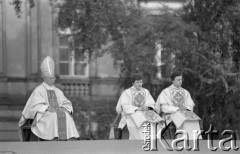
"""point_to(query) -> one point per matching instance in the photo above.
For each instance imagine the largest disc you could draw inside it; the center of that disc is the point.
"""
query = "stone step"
(9, 126)
(7, 136)
(10, 115)
(9, 131)
(11, 107)
(13, 100)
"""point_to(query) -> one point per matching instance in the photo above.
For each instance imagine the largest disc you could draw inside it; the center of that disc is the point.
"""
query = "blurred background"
(98, 44)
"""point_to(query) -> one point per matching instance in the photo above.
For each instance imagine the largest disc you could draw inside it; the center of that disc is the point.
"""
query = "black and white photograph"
(119, 76)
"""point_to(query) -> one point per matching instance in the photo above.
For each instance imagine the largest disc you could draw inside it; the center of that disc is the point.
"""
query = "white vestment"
(130, 100)
(45, 124)
(173, 102)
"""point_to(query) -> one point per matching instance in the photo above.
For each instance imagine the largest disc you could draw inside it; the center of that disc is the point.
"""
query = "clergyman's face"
(177, 82)
(49, 80)
(138, 84)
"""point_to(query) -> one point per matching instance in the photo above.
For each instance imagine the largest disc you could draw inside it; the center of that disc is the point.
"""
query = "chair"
(118, 133)
(26, 132)
(115, 132)
(169, 130)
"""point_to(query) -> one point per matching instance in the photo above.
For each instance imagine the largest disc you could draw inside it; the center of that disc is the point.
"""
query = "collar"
(174, 87)
(48, 87)
(135, 89)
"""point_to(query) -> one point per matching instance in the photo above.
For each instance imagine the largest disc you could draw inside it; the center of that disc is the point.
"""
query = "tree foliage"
(212, 67)
(129, 30)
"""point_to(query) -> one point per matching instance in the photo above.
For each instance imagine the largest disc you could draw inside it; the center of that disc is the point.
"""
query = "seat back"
(26, 132)
(169, 130)
(115, 132)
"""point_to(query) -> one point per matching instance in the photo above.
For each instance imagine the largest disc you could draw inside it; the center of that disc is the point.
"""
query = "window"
(71, 63)
(158, 58)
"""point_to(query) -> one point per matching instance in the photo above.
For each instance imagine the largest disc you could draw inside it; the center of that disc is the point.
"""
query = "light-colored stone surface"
(9, 131)
(100, 147)
(9, 136)
(8, 126)
(16, 114)
(3, 87)
(17, 88)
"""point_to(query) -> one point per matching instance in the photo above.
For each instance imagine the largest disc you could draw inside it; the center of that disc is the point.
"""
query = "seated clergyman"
(136, 106)
(177, 105)
(49, 109)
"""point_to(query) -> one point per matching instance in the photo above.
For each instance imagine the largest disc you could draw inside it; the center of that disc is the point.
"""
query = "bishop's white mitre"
(48, 67)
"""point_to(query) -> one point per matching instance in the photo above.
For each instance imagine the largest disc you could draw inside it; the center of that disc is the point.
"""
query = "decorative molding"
(28, 39)
(55, 40)
(1, 39)
(75, 87)
(3, 31)
(32, 39)
(107, 80)
(72, 80)
(3, 78)
(39, 31)
(160, 1)
(20, 79)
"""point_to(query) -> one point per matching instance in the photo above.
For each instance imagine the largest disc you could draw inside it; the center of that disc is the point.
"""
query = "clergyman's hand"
(139, 109)
(143, 108)
(182, 108)
(50, 109)
(65, 110)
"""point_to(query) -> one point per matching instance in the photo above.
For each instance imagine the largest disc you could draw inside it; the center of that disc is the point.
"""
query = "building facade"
(26, 40)
(155, 7)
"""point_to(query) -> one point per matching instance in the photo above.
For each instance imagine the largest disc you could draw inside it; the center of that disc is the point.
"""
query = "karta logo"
(151, 137)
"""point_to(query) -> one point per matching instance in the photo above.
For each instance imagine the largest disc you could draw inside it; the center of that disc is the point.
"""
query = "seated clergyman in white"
(49, 108)
(134, 105)
(177, 105)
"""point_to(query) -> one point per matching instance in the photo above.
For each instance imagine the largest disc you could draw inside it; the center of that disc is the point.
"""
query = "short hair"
(175, 74)
(136, 76)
